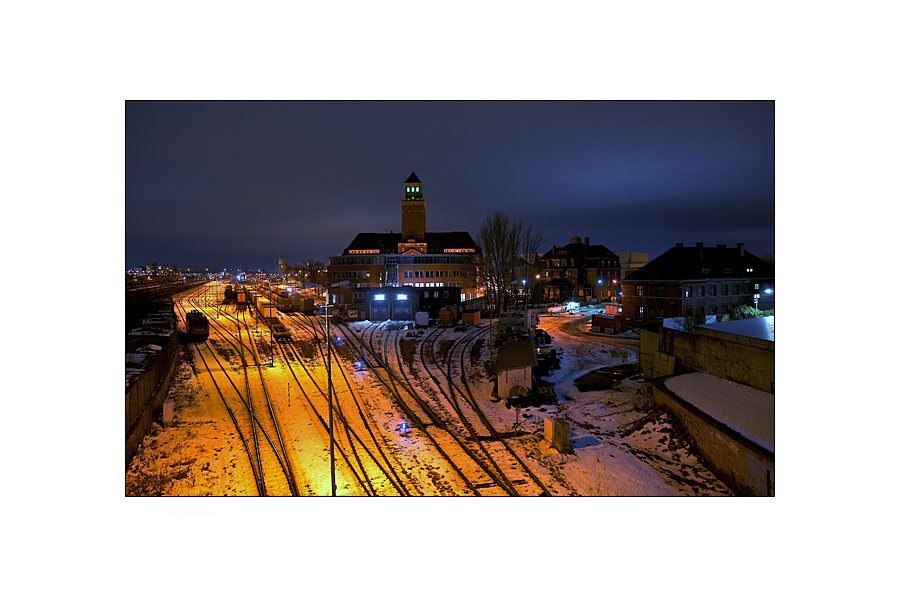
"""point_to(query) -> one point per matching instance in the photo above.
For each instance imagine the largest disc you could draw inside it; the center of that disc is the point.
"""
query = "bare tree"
(531, 242)
(690, 319)
(310, 269)
(506, 247)
(499, 239)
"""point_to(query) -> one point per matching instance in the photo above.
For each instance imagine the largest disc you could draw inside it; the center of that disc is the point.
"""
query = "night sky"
(236, 184)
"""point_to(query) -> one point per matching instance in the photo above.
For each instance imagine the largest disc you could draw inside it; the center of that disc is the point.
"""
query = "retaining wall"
(146, 394)
(750, 362)
(747, 468)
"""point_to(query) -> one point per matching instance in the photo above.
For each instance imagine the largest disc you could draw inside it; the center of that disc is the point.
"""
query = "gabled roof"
(689, 263)
(387, 242)
(515, 356)
(577, 250)
(413, 179)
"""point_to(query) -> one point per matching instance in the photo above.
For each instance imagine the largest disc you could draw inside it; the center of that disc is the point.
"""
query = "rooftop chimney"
(587, 241)
(741, 249)
(700, 247)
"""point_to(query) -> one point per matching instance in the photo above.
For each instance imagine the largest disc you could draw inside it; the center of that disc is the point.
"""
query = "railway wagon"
(282, 301)
(279, 332)
(306, 305)
(266, 308)
(196, 326)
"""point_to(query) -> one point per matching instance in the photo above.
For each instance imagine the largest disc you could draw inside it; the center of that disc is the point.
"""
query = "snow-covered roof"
(514, 356)
(759, 328)
(748, 411)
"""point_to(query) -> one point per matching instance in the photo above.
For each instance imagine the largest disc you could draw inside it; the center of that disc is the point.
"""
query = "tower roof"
(413, 179)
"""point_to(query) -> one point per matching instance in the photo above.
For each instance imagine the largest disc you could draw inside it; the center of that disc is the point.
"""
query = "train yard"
(407, 414)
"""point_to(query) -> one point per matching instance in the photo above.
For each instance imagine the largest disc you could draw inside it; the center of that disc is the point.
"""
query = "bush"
(748, 311)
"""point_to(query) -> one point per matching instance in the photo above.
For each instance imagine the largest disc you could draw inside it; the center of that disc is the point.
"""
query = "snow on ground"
(620, 445)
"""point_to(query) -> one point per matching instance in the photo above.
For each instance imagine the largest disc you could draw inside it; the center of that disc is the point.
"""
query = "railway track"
(359, 444)
(255, 420)
(435, 408)
(432, 392)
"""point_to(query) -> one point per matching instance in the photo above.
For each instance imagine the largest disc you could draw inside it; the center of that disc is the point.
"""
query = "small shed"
(472, 317)
(513, 369)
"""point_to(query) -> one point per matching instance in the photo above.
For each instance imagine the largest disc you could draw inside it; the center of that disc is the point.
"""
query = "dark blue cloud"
(238, 184)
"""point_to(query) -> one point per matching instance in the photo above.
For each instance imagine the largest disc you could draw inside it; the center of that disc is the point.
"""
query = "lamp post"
(330, 410)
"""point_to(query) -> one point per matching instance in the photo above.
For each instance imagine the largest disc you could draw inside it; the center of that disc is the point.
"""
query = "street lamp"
(330, 393)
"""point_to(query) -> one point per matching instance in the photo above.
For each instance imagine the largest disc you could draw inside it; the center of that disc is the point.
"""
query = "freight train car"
(265, 307)
(196, 326)
(306, 305)
(279, 332)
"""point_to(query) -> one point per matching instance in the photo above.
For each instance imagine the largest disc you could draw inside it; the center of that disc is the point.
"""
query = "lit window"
(379, 297)
(401, 297)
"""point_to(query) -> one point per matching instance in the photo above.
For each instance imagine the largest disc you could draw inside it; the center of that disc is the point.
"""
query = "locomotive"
(197, 326)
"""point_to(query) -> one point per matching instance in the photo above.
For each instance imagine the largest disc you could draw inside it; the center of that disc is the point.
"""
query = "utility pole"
(330, 409)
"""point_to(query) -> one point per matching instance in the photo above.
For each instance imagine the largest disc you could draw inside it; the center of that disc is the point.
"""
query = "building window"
(639, 290)
(660, 291)
(640, 312)
(724, 289)
(735, 290)
(705, 270)
(702, 290)
(712, 290)
(687, 292)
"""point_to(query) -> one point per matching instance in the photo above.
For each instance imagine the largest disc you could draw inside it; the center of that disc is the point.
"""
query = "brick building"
(581, 272)
(694, 281)
(413, 257)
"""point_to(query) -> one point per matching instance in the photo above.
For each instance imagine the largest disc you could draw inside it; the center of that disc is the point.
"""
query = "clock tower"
(413, 211)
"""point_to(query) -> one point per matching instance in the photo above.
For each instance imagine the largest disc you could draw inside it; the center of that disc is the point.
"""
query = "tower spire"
(413, 211)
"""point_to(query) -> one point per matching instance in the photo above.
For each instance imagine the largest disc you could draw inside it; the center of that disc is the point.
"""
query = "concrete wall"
(751, 364)
(747, 468)
(146, 395)
(648, 350)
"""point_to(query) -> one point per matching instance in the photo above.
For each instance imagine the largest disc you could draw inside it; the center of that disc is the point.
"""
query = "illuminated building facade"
(413, 257)
(581, 272)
